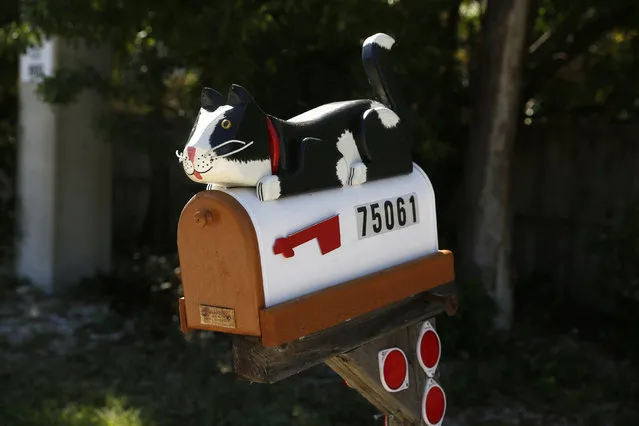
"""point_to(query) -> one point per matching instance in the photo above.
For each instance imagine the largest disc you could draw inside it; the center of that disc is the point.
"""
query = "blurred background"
(524, 116)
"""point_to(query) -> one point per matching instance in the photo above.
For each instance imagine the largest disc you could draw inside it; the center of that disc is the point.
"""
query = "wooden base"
(261, 364)
(326, 308)
(360, 370)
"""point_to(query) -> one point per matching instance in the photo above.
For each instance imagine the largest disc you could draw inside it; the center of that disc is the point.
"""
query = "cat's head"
(229, 141)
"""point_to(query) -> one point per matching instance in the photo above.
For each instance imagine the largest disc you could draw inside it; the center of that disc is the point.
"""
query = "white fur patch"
(357, 174)
(343, 170)
(388, 118)
(269, 188)
(206, 123)
(347, 147)
(380, 39)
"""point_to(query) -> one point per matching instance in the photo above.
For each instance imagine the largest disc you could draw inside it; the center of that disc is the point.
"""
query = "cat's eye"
(226, 123)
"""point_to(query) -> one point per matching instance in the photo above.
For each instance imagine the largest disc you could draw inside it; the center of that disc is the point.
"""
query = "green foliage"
(290, 55)
(587, 86)
(294, 55)
(163, 58)
(583, 56)
(113, 413)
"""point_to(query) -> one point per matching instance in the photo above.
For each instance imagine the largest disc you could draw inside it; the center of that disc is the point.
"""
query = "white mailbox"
(334, 236)
(244, 259)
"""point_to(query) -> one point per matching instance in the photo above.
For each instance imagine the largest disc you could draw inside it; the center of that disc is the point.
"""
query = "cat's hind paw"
(269, 188)
(357, 174)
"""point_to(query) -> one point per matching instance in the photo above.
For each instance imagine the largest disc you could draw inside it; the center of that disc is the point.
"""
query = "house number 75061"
(386, 215)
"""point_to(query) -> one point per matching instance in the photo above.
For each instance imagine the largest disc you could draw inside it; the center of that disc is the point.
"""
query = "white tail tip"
(380, 39)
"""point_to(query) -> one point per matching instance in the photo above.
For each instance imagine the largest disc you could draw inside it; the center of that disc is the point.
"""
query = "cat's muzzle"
(201, 162)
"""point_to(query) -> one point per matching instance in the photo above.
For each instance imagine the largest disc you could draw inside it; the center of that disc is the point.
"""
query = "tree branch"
(556, 49)
(533, 13)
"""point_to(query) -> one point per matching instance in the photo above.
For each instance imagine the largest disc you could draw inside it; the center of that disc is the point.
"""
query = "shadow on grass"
(166, 382)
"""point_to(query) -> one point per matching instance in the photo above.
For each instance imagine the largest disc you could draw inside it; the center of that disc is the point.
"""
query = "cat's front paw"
(357, 174)
(269, 188)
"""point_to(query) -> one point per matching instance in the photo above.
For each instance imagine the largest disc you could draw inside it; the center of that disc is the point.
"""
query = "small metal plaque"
(217, 316)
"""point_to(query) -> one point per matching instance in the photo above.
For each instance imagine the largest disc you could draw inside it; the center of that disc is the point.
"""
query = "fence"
(571, 180)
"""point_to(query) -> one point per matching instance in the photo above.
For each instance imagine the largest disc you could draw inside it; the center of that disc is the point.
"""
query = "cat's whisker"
(246, 145)
(228, 142)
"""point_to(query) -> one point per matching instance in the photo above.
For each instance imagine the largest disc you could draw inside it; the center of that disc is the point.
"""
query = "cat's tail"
(375, 52)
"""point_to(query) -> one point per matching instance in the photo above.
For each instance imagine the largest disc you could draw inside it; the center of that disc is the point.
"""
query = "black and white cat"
(234, 143)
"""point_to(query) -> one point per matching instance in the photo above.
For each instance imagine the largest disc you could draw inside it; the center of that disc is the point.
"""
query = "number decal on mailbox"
(384, 216)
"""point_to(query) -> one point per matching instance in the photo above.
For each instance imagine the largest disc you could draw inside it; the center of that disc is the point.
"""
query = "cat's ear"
(239, 95)
(210, 100)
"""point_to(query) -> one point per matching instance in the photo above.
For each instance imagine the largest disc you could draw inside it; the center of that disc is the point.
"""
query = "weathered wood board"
(262, 364)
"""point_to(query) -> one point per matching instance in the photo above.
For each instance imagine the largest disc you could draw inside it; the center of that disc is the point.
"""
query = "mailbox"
(260, 268)
(316, 220)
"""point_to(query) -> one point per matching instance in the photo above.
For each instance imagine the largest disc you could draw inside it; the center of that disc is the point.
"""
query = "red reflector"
(393, 369)
(434, 404)
(429, 349)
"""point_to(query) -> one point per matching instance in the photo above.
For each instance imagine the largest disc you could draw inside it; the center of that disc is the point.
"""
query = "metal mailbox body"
(226, 239)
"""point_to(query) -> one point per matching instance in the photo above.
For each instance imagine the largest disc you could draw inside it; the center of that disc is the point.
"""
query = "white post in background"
(64, 176)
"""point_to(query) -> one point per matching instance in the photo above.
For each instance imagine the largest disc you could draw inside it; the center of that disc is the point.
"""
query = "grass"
(558, 366)
(141, 371)
(557, 375)
(164, 382)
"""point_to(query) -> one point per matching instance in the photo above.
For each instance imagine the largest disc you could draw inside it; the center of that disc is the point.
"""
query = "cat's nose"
(190, 151)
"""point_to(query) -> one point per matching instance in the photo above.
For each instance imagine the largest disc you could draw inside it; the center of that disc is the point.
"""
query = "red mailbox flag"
(326, 232)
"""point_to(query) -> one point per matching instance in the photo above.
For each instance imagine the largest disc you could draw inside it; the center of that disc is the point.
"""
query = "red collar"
(274, 145)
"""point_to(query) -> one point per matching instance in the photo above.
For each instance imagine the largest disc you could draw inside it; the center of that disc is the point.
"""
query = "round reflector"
(393, 369)
(433, 404)
(429, 349)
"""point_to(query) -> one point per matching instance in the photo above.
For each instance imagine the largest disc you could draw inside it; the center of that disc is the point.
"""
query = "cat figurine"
(233, 142)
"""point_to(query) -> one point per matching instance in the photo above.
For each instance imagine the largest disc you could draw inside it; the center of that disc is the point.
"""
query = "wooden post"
(351, 350)
(360, 369)
(261, 364)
